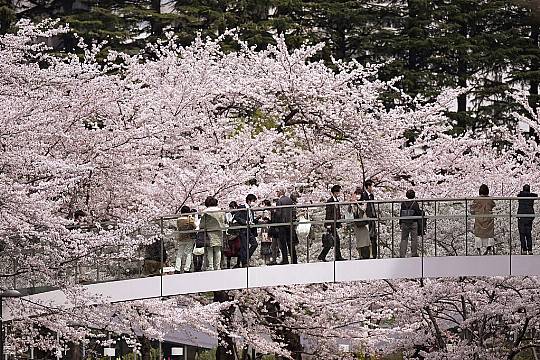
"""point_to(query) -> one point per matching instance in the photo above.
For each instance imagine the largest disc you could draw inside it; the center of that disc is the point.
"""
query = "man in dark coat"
(371, 213)
(248, 238)
(287, 232)
(526, 207)
(333, 214)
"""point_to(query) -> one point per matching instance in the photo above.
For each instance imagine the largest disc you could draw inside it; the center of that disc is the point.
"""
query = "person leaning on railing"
(484, 226)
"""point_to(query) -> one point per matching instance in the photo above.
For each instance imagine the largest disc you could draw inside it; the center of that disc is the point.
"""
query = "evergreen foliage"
(489, 46)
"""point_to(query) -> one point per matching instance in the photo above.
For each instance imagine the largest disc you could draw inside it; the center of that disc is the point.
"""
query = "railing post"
(247, 247)
(422, 239)
(291, 235)
(435, 228)
(335, 239)
(422, 236)
(161, 257)
(466, 228)
(349, 225)
(97, 266)
(14, 263)
(392, 230)
(307, 237)
(510, 234)
(378, 231)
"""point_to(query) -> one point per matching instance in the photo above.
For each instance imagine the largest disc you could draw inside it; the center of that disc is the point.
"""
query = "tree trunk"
(225, 349)
(283, 334)
(417, 13)
(7, 17)
(67, 5)
(535, 66)
(157, 26)
(146, 348)
(462, 72)
(341, 43)
(75, 352)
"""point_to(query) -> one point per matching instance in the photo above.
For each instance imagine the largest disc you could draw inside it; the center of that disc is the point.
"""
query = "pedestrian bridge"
(445, 249)
(299, 274)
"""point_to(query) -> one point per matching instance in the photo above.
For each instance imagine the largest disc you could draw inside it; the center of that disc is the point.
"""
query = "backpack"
(407, 212)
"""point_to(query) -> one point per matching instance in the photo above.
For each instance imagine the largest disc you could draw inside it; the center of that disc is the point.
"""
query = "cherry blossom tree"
(124, 140)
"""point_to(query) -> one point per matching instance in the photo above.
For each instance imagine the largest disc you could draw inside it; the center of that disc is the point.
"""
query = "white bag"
(303, 227)
(198, 251)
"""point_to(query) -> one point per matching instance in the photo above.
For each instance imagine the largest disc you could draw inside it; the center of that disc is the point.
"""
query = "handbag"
(198, 251)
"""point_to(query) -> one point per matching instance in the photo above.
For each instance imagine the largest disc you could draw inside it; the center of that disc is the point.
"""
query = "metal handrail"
(385, 217)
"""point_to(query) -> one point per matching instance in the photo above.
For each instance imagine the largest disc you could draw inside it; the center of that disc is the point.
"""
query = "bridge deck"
(299, 274)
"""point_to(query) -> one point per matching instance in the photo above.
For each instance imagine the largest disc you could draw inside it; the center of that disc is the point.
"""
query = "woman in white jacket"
(213, 223)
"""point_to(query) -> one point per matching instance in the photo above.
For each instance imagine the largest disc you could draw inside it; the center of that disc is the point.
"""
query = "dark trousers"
(363, 252)
(286, 244)
(248, 244)
(525, 233)
(373, 237)
(337, 247)
(198, 262)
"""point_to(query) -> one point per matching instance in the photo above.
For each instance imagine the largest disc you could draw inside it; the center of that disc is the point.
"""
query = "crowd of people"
(215, 234)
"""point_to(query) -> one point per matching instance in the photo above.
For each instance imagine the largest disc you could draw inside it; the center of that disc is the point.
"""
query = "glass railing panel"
(450, 235)
(154, 248)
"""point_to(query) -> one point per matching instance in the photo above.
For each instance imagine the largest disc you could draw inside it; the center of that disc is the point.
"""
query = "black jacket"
(370, 211)
(526, 206)
(333, 212)
(285, 215)
(241, 218)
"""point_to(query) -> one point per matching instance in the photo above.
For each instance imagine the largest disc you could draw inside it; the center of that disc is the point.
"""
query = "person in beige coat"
(360, 227)
(185, 241)
(213, 222)
(484, 226)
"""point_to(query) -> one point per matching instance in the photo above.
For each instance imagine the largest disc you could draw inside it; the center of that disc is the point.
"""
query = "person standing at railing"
(484, 226)
(526, 206)
(248, 236)
(359, 226)
(333, 214)
(286, 214)
(367, 195)
(409, 227)
(266, 239)
(153, 257)
(231, 246)
(184, 241)
(213, 223)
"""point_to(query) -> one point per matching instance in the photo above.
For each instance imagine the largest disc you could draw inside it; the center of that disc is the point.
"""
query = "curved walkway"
(300, 274)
